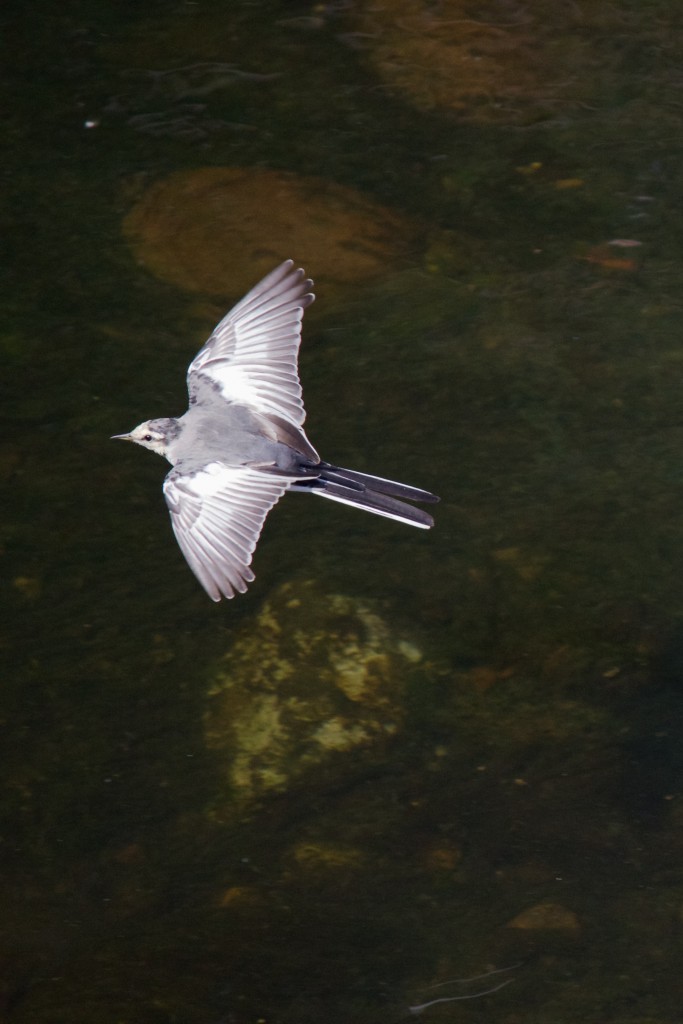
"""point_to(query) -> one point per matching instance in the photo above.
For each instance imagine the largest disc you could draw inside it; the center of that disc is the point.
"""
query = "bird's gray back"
(229, 433)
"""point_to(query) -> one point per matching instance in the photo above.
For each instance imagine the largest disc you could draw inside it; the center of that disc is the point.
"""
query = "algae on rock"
(313, 677)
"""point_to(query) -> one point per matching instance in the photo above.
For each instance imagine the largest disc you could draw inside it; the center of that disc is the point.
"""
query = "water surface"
(516, 800)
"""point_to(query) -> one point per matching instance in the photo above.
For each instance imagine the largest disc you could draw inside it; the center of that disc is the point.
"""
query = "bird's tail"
(373, 493)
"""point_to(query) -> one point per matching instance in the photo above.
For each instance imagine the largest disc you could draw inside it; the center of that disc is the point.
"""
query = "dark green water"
(518, 365)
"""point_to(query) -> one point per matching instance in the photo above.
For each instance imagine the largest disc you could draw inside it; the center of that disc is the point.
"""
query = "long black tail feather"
(349, 477)
(373, 493)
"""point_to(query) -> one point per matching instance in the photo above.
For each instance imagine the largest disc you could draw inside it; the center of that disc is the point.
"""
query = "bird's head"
(153, 434)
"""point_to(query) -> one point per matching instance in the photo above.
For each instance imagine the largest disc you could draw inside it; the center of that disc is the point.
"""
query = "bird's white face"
(149, 434)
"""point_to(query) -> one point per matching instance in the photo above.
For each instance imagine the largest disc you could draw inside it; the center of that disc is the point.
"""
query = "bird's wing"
(217, 513)
(251, 357)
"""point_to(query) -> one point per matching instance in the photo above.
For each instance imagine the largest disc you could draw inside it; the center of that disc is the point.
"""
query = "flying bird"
(241, 443)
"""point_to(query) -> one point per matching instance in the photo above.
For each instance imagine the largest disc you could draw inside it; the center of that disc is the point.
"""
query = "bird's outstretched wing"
(251, 357)
(217, 513)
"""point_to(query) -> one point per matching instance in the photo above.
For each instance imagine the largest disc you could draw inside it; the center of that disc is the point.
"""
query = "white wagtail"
(241, 445)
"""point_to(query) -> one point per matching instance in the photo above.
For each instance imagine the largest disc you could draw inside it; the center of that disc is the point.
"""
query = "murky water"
(402, 758)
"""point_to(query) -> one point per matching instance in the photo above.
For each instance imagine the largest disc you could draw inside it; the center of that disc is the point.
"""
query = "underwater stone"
(500, 62)
(216, 229)
(546, 917)
(313, 678)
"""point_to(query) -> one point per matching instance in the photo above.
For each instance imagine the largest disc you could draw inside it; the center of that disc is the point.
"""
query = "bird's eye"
(147, 437)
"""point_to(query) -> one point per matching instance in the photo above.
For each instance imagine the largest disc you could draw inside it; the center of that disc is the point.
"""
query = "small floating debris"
(418, 1009)
(603, 256)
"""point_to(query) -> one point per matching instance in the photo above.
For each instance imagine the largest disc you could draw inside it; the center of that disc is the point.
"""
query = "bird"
(241, 445)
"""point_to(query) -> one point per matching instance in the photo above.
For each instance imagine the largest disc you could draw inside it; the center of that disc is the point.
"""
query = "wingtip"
(287, 266)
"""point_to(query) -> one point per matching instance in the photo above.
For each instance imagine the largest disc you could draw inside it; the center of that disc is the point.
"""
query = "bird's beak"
(120, 437)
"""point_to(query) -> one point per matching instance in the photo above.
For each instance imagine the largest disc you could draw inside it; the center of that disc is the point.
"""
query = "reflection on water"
(398, 760)
(175, 92)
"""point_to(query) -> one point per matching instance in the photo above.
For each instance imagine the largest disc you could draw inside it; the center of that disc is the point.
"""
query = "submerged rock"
(500, 61)
(218, 229)
(546, 917)
(313, 678)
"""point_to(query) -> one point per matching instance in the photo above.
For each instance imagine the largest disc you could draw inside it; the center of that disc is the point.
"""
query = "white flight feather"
(252, 353)
(217, 515)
